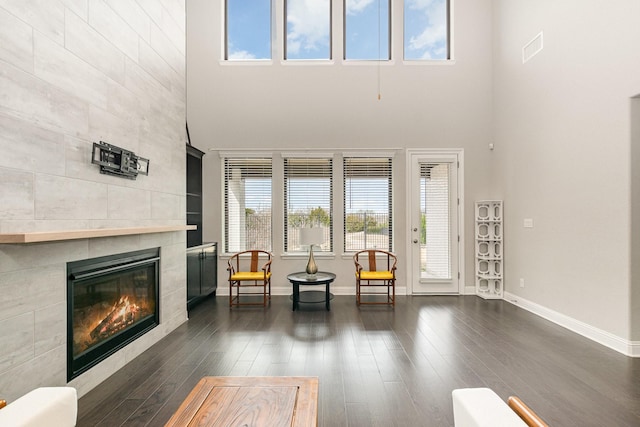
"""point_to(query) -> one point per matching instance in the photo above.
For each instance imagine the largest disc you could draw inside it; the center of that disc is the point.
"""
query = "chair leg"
(264, 294)
(388, 292)
(393, 290)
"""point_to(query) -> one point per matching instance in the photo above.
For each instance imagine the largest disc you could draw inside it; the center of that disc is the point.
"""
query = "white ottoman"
(482, 407)
(44, 406)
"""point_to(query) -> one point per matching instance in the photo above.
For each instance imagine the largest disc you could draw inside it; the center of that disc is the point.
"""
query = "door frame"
(436, 153)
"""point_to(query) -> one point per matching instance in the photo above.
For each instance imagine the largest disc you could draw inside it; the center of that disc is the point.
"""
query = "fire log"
(122, 315)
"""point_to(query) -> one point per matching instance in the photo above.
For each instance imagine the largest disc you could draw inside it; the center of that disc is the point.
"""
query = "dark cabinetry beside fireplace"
(202, 272)
(194, 195)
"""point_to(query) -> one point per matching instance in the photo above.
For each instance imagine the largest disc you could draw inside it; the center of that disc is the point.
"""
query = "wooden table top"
(250, 401)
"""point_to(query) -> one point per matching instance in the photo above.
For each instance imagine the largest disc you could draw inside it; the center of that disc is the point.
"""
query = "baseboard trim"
(614, 342)
(469, 290)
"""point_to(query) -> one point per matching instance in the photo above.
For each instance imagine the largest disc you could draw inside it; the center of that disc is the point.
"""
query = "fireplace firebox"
(111, 301)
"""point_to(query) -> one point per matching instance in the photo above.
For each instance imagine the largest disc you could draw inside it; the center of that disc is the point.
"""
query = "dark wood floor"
(377, 366)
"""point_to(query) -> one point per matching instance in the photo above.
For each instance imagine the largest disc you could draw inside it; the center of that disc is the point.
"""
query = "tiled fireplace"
(106, 73)
(34, 309)
(111, 301)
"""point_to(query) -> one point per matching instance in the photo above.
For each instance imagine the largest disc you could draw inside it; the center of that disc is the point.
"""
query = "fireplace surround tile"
(47, 18)
(113, 245)
(16, 340)
(51, 123)
(16, 186)
(91, 47)
(166, 206)
(34, 100)
(50, 328)
(23, 257)
(128, 203)
(111, 127)
(122, 36)
(38, 149)
(60, 67)
(29, 290)
(54, 198)
(17, 50)
(23, 378)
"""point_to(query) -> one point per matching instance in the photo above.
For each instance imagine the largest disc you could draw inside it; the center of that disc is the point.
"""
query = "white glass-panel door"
(434, 224)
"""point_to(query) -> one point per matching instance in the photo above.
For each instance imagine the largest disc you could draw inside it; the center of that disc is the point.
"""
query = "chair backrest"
(366, 260)
(257, 260)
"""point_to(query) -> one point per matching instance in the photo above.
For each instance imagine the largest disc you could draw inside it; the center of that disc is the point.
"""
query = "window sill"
(245, 62)
(316, 255)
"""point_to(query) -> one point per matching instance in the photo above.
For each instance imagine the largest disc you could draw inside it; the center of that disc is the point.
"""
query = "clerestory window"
(367, 25)
(426, 30)
(308, 29)
(247, 29)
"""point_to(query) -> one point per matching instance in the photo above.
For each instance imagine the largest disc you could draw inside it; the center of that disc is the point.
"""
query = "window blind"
(368, 195)
(308, 194)
(247, 204)
(435, 233)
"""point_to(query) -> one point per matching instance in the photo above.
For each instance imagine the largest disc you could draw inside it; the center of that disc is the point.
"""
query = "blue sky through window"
(248, 29)
(259, 191)
(308, 29)
(366, 195)
(425, 29)
(367, 29)
(308, 22)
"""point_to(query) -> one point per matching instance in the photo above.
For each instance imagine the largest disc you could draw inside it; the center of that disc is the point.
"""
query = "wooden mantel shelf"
(54, 236)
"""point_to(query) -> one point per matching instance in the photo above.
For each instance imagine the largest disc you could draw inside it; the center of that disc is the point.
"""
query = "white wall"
(75, 72)
(562, 135)
(297, 107)
(634, 306)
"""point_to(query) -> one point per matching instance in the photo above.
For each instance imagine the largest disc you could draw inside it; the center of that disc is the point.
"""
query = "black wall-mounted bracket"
(118, 161)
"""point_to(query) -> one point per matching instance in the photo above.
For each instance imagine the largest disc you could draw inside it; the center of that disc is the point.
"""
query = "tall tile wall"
(74, 72)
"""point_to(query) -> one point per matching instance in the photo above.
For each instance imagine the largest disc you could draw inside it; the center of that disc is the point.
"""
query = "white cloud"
(241, 54)
(435, 32)
(356, 6)
(430, 37)
(308, 23)
(420, 4)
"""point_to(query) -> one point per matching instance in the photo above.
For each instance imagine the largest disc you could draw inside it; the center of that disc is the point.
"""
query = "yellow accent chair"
(369, 275)
(244, 273)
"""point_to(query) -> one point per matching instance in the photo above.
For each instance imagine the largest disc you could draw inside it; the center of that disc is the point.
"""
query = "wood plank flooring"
(379, 366)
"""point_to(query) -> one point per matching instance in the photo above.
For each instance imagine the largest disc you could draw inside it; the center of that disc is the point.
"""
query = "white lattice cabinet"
(489, 249)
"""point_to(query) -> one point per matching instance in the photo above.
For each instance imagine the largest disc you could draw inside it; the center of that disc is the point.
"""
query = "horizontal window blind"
(247, 204)
(435, 218)
(368, 195)
(308, 194)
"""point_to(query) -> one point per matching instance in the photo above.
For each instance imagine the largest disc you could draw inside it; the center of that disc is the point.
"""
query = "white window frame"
(390, 191)
(320, 156)
(239, 157)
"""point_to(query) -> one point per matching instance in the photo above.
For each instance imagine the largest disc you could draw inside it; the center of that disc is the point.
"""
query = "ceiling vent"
(532, 48)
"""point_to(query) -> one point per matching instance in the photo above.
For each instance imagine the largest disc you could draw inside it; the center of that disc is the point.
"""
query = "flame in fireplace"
(103, 321)
(122, 315)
